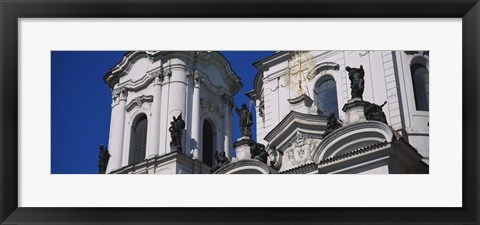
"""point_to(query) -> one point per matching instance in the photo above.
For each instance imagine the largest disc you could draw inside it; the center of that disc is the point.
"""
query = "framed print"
(372, 58)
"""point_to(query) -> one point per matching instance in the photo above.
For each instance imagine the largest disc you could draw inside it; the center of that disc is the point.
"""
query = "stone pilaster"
(154, 134)
(164, 145)
(117, 127)
(177, 95)
(195, 133)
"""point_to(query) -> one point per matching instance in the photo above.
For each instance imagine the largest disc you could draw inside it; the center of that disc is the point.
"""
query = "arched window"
(326, 95)
(420, 86)
(138, 140)
(207, 144)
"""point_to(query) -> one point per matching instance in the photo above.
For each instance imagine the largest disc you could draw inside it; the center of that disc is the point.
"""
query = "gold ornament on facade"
(300, 70)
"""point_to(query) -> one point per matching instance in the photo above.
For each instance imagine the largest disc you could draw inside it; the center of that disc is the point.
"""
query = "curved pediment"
(244, 166)
(138, 64)
(129, 63)
(219, 71)
(294, 123)
(351, 138)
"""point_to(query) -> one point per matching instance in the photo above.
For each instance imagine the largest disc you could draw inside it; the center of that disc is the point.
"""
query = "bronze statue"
(257, 151)
(222, 160)
(357, 82)
(374, 112)
(176, 128)
(246, 120)
(103, 158)
(332, 125)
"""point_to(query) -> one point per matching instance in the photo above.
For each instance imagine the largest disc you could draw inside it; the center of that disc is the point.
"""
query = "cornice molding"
(355, 152)
(295, 119)
(138, 101)
(145, 80)
(121, 68)
(244, 164)
(203, 58)
(340, 140)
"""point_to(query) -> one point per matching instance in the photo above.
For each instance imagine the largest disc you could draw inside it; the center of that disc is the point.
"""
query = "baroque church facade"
(150, 90)
(317, 112)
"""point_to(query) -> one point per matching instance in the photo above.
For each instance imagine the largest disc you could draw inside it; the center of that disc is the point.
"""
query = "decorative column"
(226, 129)
(154, 134)
(177, 95)
(187, 146)
(164, 144)
(195, 133)
(117, 128)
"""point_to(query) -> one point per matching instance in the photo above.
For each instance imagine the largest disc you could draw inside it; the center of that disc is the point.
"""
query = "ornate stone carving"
(157, 74)
(303, 146)
(211, 108)
(274, 157)
(121, 92)
(138, 101)
(167, 73)
(197, 78)
(325, 66)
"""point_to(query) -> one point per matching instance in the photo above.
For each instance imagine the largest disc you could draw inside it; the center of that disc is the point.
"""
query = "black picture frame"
(11, 11)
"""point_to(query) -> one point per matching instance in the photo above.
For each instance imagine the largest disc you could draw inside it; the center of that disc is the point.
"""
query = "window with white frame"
(326, 95)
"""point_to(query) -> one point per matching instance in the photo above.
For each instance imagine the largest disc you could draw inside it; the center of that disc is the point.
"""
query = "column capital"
(120, 93)
(157, 76)
(167, 73)
(197, 78)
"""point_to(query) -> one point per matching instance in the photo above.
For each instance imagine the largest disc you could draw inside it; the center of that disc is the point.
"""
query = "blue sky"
(81, 104)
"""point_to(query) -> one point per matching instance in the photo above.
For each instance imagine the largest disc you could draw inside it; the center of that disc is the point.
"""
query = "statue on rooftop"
(258, 152)
(103, 158)
(375, 112)
(357, 82)
(332, 124)
(176, 128)
(222, 160)
(246, 120)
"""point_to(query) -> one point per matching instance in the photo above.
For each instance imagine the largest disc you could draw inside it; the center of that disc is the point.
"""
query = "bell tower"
(151, 92)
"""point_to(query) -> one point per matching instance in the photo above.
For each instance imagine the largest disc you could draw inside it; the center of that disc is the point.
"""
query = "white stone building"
(149, 88)
(294, 93)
